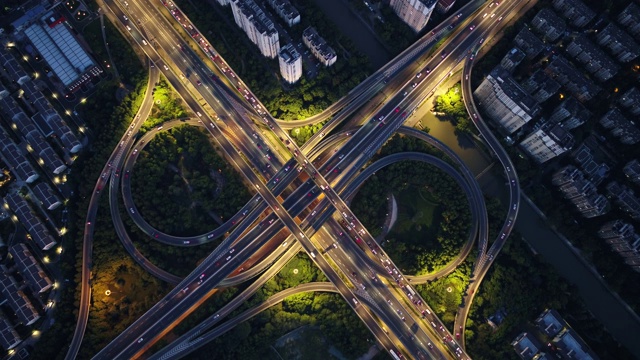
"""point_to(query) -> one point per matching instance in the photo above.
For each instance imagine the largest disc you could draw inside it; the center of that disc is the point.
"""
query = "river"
(352, 27)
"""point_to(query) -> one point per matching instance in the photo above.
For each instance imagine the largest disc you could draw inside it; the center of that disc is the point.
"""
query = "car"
(128, 27)
(472, 27)
(491, 257)
(228, 258)
(198, 82)
(500, 18)
(88, 222)
(457, 335)
(444, 53)
(485, 14)
(427, 70)
(185, 290)
(232, 251)
(492, 15)
(140, 340)
(166, 67)
(418, 75)
(125, 17)
(466, 77)
(515, 206)
(132, 211)
(335, 245)
(202, 276)
(396, 110)
(381, 117)
(430, 345)
(414, 85)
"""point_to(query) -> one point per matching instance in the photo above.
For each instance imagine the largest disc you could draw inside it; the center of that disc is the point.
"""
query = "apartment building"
(549, 24)
(570, 113)
(505, 101)
(319, 47)
(562, 71)
(581, 192)
(630, 19)
(445, 5)
(415, 13)
(619, 43)
(512, 59)
(540, 86)
(575, 11)
(625, 198)
(548, 142)
(286, 11)
(619, 126)
(529, 43)
(290, 63)
(258, 27)
(592, 58)
(30, 269)
(630, 100)
(632, 171)
(36, 229)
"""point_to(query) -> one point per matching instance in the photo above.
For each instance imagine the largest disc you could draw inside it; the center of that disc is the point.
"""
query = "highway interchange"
(297, 196)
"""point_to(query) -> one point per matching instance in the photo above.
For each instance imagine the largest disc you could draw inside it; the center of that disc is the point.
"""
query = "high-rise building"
(258, 27)
(505, 101)
(415, 13)
(290, 63)
(548, 142)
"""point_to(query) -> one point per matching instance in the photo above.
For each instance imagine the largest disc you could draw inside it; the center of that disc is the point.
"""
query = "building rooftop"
(39, 233)
(31, 271)
(514, 91)
(312, 39)
(289, 54)
(529, 42)
(550, 322)
(525, 346)
(17, 300)
(9, 338)
(571, 345)
(15, 159)
(46, 196)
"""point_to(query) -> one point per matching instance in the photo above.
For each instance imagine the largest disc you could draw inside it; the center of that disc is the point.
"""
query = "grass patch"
(419, 214)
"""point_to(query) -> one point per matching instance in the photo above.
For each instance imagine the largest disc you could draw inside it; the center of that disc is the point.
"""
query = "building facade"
(548, 142)
(505, 101)
(319, 47)
(258, 27)
(415, 13)
(290, 63)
